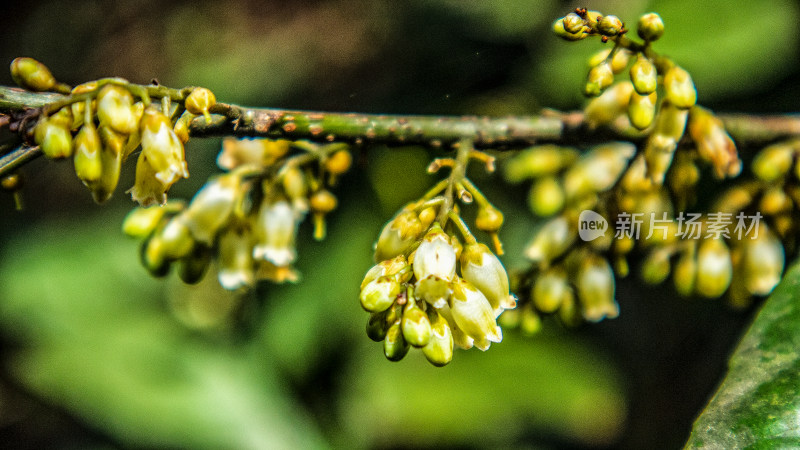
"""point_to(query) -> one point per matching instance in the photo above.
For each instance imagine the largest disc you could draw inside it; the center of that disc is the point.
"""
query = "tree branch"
(435, 131)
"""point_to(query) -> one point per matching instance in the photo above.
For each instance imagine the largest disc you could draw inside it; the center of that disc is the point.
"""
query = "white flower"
(276, 229)
(481, 267)
(473, 314)
(162, 147)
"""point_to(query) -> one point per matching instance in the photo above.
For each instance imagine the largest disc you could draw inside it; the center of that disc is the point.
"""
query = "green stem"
(456, 175)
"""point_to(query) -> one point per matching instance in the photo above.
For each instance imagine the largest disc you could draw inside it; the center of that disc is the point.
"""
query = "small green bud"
(775, 201)
(394, 346)
(489, 219)
(609, 25)
(598, 169)
(546, 196)
(762, 262)
(642, 109)
(714, 268)
(115, 109)
(644, 75)
(530, 323)
(32, 75)
(600, 77)
(439, 350)
(88, 165)
(679, 88)
(376, 326)
(650, 27)
(416, 325)
(550, 290)
(595, 284)
(141, 221)
(620, 60)
(339, 162)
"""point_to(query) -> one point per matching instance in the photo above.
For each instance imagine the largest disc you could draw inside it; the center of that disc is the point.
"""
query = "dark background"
(97, 354)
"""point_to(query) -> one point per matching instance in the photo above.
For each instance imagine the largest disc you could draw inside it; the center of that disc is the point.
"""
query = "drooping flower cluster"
(431, 291)
(245, 220)
(101, 123)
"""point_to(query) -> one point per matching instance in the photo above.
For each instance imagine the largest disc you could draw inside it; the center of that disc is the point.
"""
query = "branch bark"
(435, 131)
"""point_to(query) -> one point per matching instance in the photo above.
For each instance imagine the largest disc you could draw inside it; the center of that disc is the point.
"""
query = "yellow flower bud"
(30, 74)
(377, 326)
(176, 240)
(339, 162)
(650, 27)
(713, 142)
(551, 240)
(399, 234)
(415, 325)
(538, 161)
(439, 350)
(679, 88)
(115, 109)
(489, 219)
(199, 101)
(573, 23)
(53, 138)
(152, 257)
(611, 104)
(162, 148)
(546, 196)
(213, 205)
(88, 165)
(609, 25)
(620, 60)
(598, 169)
(141, 222)
(550, 290)
(595, 284)
(762, 262)
(111, 159)
(642, 110)
(714, 268)
(600, 77)
(644, 75)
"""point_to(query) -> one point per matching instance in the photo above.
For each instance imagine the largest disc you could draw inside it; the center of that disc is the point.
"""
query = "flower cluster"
(101, 123)
(431, 291)
(245, 220)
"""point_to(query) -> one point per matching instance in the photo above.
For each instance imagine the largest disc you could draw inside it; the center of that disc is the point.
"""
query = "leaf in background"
(96, 340)
(758, 404)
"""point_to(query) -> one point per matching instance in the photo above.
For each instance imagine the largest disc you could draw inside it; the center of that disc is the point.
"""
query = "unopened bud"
(714, 268)
(439, 350)
(609, 25)
(762, 262)
(193, 267)
(339, 162)
(644, 75)
(551, 240)
(679, 88)
(199, 101)
(611, 104)
(650, 27)
(54, 139)
(538, 161)
(395, 346)
(600, 77)
(595, 285)
(88, 165)
(560, 31)
(115, 109)
(773, 162)
(30, 74)
(416, 325)
(546, 197)
(642, 110)
(550, 290)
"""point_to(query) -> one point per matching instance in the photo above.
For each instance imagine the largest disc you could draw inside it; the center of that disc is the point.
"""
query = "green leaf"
(758, 404)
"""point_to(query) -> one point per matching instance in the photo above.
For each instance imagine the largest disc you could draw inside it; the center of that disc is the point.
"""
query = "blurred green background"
(96, 354)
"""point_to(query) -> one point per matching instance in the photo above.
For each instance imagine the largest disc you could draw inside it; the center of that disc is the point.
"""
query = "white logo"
(591, 225)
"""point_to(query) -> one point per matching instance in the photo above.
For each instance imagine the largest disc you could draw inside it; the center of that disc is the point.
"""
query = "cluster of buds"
(244, 220)
(431, 291)
(101, 123)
